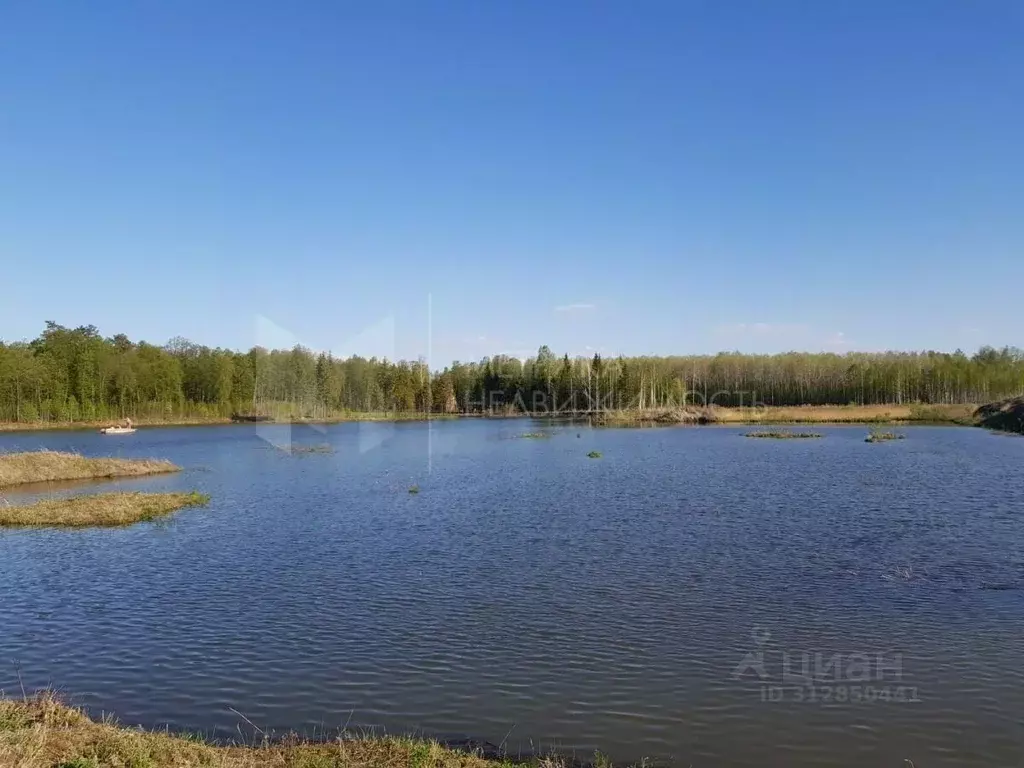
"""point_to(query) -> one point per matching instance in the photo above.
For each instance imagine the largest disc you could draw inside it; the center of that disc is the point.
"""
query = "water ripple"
(532, 597)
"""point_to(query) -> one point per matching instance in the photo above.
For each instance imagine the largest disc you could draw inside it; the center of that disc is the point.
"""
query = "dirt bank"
(1005, 415)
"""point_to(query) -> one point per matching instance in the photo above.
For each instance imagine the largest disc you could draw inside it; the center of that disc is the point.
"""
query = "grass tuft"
(51, 466)
(594, 455)
(98, 510)
(414, 489)
(878, 435)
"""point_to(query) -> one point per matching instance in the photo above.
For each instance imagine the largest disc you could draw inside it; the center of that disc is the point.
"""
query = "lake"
(662, 601)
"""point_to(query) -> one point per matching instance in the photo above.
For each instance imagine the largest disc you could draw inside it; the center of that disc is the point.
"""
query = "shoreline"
(955, 415)
(44, 728)
(219, 421)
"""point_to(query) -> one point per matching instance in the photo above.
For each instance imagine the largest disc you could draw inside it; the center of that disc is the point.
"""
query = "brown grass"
(844, 414)
(50, 466)
(41, 732)
(101, 509)
(798, 414)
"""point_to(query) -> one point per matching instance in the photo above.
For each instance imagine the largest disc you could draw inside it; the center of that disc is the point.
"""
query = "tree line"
(75, 374)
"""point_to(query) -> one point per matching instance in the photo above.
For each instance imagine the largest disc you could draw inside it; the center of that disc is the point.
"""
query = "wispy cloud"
(766, 337)
(763, 330)
(838, 342)
(581, 307)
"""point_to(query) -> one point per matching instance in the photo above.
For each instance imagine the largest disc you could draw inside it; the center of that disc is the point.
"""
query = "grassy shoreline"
(100, 510)
(797, 414)
(40, 732)
(213, 421)
(53, 466)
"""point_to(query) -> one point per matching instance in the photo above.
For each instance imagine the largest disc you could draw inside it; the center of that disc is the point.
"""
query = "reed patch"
(98, 510)
(52, 466)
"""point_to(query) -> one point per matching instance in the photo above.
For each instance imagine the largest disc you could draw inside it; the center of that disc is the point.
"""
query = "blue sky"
(456, 179)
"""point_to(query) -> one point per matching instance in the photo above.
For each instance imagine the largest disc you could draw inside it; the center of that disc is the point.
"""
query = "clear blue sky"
(633, 177)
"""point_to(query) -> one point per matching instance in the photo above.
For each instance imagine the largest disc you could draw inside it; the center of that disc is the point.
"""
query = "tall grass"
(42, 732)
(100, 510)
(797, 414)
(50, 466)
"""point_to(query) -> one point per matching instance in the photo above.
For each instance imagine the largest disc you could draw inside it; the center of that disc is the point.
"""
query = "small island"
(52, 466)
(877, 435)
(782, 434)
(102, 510)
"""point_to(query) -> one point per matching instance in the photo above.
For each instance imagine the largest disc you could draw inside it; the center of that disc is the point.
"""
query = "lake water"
(533, 597)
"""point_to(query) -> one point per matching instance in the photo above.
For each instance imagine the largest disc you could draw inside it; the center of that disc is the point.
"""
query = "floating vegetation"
(533, 435)
(783, 434)
(903, 573)
(877, 435)
(298, 449)
(321, 448)
(594, 455)
(414, 489)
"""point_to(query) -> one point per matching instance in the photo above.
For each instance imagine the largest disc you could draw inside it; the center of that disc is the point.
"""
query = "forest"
(75, 374)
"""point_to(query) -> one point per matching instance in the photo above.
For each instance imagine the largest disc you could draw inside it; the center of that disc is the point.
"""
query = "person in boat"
(127, 423)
